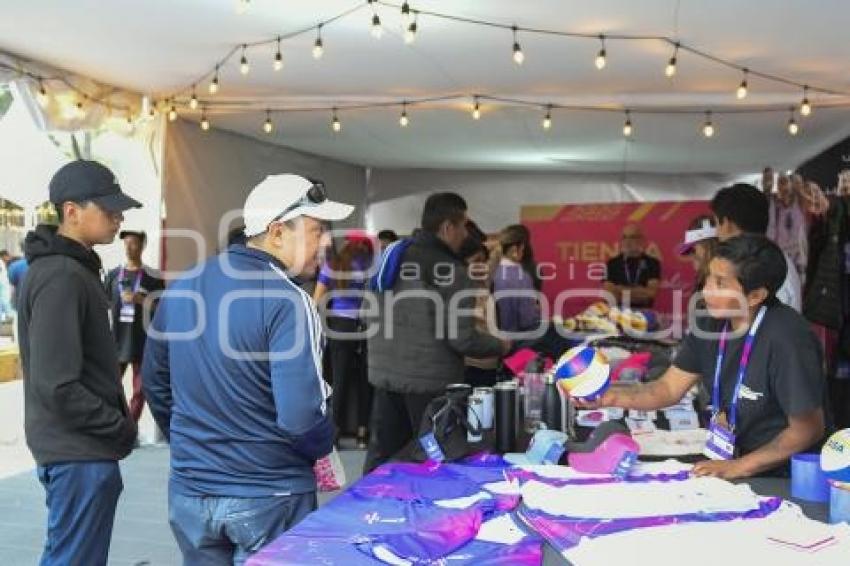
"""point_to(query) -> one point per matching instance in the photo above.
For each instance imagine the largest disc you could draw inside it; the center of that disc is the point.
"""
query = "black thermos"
(505, 393)
(552, 416)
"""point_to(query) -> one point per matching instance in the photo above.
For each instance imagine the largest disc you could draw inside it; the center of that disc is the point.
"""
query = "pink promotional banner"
(573, 242)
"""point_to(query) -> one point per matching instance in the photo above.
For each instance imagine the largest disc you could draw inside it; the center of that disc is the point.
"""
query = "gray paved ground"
(141, 536)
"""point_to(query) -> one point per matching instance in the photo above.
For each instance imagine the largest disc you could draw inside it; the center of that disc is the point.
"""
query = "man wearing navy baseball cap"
(76, 418)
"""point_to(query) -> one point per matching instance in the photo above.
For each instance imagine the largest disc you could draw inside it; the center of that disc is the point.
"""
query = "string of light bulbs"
(188, 96)
(410, 18)
(476, 102)
(84, 99)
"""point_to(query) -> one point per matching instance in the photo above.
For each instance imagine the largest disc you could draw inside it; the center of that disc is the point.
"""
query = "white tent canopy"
(163, 46)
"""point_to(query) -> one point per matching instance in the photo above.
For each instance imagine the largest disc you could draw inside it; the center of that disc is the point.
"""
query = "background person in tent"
(480, 372)
(77, 422)
(788, 225)
(386, 237)
(757, 357)
(128, 286)
(515, 274)
(413, 362)
(767, 176)
(633, 277)
(17, 269)
(339, 289)
(700, 245)
(243, 401)
(743, 209)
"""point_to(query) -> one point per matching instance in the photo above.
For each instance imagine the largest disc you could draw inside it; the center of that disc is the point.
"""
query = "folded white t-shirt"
(780, 539)
(628, 500)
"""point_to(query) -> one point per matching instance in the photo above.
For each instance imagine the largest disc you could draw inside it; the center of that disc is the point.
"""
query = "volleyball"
(583, 372)
(835, 456)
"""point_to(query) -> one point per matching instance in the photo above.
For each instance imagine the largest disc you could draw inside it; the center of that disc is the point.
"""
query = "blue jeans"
(81, 502)
(213, 531)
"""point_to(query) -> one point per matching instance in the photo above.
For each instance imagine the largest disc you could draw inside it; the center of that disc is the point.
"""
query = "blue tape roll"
(839, 504)
(808, 482)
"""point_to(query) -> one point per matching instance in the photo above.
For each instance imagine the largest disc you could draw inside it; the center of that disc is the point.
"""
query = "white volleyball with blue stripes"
(583, 372)
(835, 456)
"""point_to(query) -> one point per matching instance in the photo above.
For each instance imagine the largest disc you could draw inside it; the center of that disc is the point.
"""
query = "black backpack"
(446, 418)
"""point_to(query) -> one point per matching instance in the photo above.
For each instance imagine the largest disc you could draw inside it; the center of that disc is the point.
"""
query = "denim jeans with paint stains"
(213, 531)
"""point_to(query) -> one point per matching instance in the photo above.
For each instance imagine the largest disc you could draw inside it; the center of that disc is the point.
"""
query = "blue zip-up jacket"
(233, 376)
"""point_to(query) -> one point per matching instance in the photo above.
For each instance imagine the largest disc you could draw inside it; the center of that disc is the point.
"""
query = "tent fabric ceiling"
(164, 45)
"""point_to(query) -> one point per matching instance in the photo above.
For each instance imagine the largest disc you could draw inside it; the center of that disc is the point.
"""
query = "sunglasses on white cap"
(315, 195)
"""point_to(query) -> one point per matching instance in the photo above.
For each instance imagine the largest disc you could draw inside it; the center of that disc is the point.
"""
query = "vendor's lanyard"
(629, 278)
(136, 286)
(742, 369)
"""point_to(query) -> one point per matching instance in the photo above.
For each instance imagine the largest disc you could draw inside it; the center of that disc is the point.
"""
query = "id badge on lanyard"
(128, 310)
(720, 444)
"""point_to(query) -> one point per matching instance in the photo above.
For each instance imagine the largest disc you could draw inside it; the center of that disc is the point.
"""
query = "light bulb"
(172, 113)
(405, 13)
(627, 127)
(244, 67)
(205, 123)
(519, 56)
(214, 82)
(671, 64)
(805, 107)
(318, 49)
(601, 56)
(336, 125)
(278, 60)
(476, 111)
(547, 120)
(742, 90)
(671, 67)
(268, 127)
(193, 102)
(403, 121)
(708, 127)
(410, 33)
(377, 29)
(600, 60)
(793, 128)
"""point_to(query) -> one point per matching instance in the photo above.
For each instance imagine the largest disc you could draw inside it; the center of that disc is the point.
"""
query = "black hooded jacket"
(74, 404)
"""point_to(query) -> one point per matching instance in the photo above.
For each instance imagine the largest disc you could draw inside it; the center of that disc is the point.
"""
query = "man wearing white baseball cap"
(233, 375)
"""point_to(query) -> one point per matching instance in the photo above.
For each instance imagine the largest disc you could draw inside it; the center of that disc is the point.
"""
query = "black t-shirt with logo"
(784, 377)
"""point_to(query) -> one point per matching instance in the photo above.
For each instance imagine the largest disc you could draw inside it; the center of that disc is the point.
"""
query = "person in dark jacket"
(233, 376)
(76, 418)
(129, 287)
(427, 326)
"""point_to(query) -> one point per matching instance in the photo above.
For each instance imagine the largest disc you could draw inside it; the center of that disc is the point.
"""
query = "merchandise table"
(326, 527)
